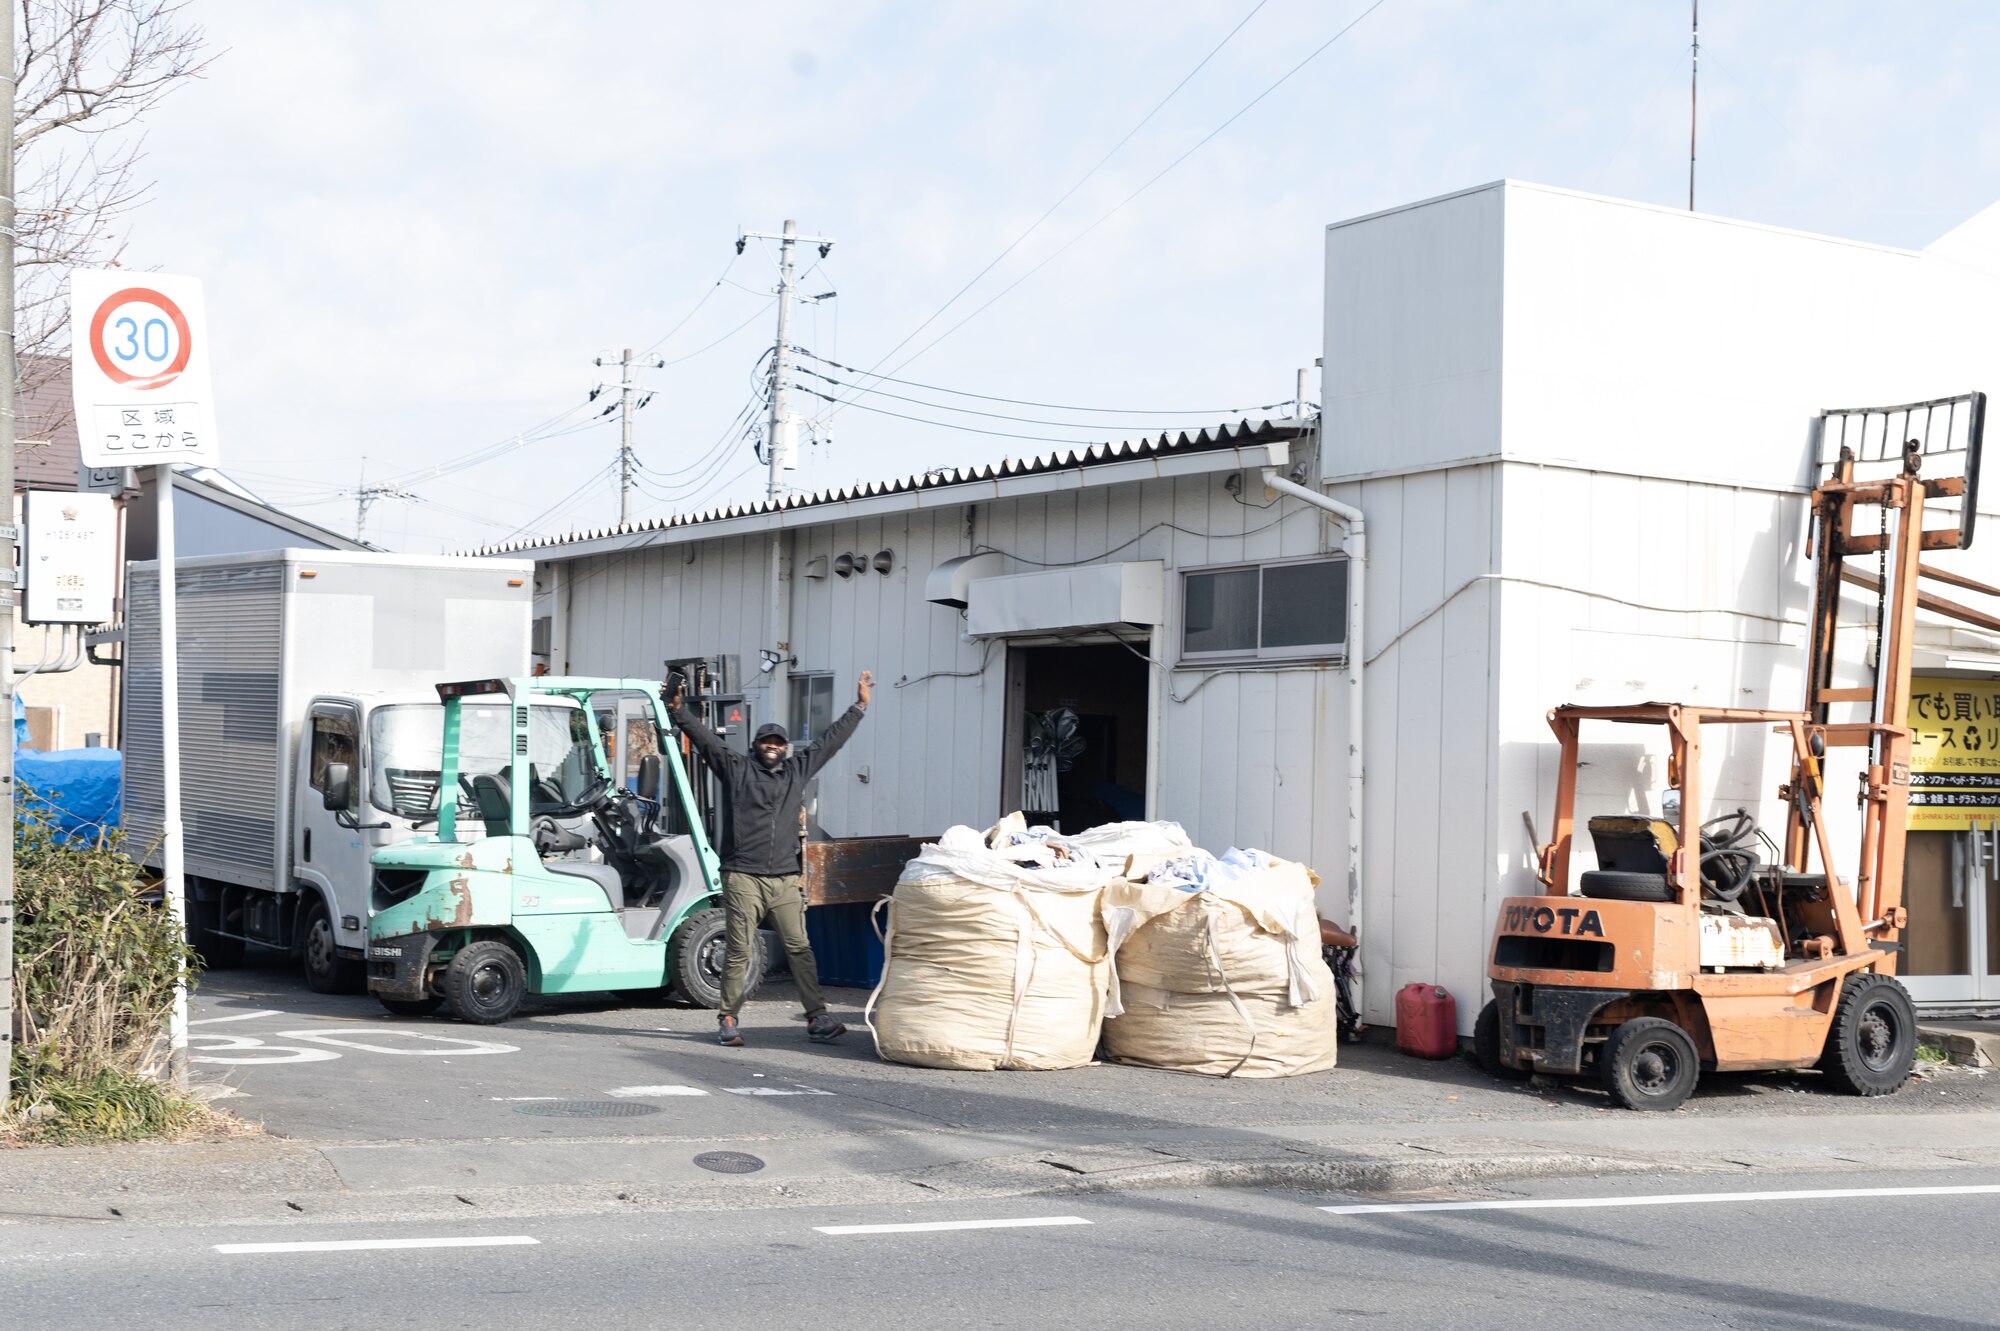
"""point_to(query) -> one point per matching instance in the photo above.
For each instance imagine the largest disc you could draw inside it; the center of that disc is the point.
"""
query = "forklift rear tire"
(1649, 1063)
(1486, 1046)
(485, 983)
(412, 1007)
(1872, 1044)
(696, 956)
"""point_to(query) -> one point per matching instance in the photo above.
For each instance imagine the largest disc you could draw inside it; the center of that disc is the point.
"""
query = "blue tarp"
(80, 787)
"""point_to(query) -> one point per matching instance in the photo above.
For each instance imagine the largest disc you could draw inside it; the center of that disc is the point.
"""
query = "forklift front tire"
(1872, 1044)
(485, 983)
(697, 954)
(1486, 1046)
(1649, 1063)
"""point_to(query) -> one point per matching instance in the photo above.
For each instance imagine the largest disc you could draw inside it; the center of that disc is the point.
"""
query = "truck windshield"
(407, 753)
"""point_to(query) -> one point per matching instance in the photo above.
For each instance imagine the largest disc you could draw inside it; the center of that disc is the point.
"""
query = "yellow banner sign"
(1954, 754)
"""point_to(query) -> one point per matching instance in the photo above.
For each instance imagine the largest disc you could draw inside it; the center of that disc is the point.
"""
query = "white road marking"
(455, 1044)
(240, 1016)
(518, 1099)
(360, 1245)
(258, 1052)
(925, 1227)
(1664, 1199)
(656, 1090)
(773, 1090)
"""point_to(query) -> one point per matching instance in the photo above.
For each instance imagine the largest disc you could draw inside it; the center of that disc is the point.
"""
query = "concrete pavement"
(1813, 1252)
(589, 1107)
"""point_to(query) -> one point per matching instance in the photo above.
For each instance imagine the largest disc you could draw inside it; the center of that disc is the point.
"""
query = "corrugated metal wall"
(1245, 758)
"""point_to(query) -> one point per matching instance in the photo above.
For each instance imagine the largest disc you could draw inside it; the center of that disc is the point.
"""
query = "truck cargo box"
(260, 634)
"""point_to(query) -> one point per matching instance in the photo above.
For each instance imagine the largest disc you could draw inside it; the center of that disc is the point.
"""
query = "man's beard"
(772, 759)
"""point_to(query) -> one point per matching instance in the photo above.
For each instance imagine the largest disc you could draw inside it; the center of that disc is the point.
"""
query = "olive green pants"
(750, 899)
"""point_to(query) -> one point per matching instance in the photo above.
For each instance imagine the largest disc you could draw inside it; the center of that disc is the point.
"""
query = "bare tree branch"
(85, 71)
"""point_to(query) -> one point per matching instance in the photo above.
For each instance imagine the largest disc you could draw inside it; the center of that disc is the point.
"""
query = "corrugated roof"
(1183, 441)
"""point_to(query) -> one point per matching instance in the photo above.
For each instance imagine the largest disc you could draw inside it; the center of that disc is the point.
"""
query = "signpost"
(139, 375)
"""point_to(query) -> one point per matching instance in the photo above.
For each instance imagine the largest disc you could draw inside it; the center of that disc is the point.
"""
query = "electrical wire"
(1071, 191)
(719, 279)
(1214, 414)
(680, 360)
(1142, 427)
(1120, 206)
(942, 425)
(534, 522)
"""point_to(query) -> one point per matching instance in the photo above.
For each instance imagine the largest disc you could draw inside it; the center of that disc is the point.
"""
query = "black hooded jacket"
(762, 833)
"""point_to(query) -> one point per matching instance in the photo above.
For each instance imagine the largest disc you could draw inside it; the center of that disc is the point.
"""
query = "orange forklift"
(1686, 948)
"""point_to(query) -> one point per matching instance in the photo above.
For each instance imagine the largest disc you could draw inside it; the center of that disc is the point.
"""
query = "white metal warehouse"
(1578, 430)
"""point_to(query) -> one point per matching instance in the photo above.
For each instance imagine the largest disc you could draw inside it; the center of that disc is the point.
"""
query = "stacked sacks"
(1218, 969)
(994, 955)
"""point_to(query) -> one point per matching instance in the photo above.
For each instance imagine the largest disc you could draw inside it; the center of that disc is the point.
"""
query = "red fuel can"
(1426, 1021)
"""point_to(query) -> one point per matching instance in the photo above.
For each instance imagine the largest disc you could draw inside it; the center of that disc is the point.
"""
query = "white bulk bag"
(1226, 981)
(991, 963)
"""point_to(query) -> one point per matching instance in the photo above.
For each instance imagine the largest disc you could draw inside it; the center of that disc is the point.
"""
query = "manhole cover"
(586, 1109)
(729, 1162)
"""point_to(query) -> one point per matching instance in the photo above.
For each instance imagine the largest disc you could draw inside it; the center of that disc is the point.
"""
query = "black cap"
(771, 730)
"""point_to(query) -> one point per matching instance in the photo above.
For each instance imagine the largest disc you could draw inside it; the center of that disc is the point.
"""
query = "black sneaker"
(824, 1028)
(727, 1034)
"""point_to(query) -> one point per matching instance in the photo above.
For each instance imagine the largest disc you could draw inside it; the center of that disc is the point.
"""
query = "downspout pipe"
(1357, 657)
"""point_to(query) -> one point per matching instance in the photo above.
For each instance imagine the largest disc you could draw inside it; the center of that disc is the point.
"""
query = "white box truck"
(289, 660)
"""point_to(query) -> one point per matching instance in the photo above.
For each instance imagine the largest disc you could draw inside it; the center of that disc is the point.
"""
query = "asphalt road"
(338, 1068)
(1204, 1260)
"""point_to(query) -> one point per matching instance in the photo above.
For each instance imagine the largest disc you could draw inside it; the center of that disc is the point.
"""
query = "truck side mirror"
(339, 793)
(649, 778)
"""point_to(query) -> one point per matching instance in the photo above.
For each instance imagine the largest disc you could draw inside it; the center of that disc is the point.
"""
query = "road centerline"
(364, 1245)
(931, 1226)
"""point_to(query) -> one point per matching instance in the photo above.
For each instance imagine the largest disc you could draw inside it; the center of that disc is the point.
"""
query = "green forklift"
(544, 875)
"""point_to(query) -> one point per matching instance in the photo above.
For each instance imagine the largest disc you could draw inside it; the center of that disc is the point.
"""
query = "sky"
(420, 224)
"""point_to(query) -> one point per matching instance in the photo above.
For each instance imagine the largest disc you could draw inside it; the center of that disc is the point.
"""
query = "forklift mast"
(1890, 484)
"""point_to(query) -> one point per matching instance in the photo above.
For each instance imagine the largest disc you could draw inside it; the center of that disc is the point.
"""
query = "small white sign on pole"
(139, 376)
(139, 369)
(70, 558)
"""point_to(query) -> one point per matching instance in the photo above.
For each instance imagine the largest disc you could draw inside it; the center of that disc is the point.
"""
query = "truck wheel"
(327, 972)
(485, 983)
(695, 957)
(1872, 1044)
(1649, 1063)
(412, 1007)
(1486, 1045)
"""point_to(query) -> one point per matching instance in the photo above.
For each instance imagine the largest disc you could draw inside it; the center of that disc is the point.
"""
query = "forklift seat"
(1632, 858)
(603, 875)
(496, 806)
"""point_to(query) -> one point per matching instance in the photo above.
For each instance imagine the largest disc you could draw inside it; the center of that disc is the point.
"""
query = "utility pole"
(1694, 80)
(780, 441)
(365, 495)
(625, 409)
(8, 533)
(779, 445)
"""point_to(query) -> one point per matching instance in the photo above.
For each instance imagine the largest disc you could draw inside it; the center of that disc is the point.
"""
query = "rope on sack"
(1218, 974)
(1024, 951)
(885, 908)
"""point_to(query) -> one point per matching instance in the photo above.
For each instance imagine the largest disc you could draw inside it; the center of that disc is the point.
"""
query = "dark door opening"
(1077, 742)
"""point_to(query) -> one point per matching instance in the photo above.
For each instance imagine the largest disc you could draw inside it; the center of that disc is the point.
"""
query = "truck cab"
(543, 873)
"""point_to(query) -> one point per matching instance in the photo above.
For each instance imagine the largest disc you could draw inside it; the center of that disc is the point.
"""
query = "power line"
(726, 336)
(1024, 420)
(1071, 191)
(719, 279)
(944, 425)
(1157, 176)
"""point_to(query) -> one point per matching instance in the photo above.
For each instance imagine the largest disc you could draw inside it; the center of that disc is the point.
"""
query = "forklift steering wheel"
(1727, 830)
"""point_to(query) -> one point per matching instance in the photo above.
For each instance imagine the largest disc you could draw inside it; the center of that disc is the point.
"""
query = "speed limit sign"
(139, 369)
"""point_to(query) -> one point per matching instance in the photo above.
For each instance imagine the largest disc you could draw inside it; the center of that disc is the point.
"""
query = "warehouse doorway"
(1078, 735)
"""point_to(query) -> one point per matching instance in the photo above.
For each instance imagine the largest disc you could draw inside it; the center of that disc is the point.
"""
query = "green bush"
(94, 968)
